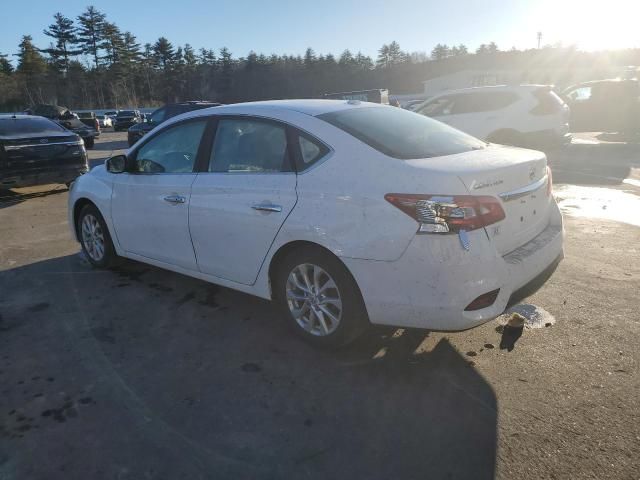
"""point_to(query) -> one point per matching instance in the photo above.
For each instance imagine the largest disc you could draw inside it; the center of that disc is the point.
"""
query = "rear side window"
(548, 102)
(249, 146)
(19, 126)
(311, 150)
(402, 134)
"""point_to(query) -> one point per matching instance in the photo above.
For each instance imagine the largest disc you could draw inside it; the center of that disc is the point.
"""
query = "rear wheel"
(319, 298)
(89, 142)
(95, 239)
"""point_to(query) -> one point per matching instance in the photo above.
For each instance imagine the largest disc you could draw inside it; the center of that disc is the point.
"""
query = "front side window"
(158, 116)
(173, 150)
(249, 146)
(402, 134)
(482, 102)
(580, 94)
(437, 107)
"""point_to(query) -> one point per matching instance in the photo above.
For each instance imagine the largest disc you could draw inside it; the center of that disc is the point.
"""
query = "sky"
(330, 26)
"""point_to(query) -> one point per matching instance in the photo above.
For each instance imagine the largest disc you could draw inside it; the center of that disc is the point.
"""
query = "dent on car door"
(242, 199)
(150, 203)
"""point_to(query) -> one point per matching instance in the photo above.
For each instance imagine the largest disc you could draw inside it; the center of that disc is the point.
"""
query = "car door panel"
(150, 225)
(238, 207)
(234, 219)
(150, 204)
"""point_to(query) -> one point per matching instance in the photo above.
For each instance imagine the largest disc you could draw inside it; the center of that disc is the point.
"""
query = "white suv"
(530, 116)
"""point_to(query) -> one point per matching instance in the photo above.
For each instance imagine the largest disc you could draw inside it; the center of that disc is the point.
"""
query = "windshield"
(402, 134)
(18, 126)
(126, 113)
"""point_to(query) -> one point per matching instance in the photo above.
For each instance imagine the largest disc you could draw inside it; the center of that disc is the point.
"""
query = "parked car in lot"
(126, 118)
(604, 106)
(112, 114)
(137, 131)
(89, 119)
(104, 121)
(36, 150)
(64, 117)
(344, 213)
(526, 116)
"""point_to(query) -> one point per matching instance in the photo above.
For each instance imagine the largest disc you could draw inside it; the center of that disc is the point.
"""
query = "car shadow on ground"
(167, 376)
(593, 164)
(9, 198)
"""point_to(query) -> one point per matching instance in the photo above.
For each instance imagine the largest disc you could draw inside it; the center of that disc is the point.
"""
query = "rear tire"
(89, 142)
(95, 238)
(331, 311)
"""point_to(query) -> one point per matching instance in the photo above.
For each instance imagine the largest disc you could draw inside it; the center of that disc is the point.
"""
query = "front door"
(239, 204)
(150, 204)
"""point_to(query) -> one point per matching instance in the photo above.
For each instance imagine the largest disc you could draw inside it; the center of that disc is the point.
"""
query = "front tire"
(319, 298)
(95, 238)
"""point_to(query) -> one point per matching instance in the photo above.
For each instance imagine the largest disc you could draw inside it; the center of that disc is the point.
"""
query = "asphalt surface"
(139, 373)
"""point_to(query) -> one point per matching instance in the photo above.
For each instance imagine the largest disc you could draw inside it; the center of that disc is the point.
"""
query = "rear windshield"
(126, 113)
(402, 134)
(18, 126)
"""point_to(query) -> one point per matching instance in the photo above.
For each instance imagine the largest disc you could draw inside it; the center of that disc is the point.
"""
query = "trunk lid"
(518, 177)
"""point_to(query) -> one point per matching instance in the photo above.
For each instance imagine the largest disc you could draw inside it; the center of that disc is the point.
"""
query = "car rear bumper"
(436, 279)
(41, 176)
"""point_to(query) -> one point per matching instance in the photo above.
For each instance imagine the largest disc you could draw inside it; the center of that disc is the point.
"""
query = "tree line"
(91, 63)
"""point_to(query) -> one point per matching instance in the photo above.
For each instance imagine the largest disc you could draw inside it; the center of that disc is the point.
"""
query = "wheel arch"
(289, 247)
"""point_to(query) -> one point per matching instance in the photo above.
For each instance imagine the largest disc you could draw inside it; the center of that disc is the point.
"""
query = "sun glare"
(590, 25)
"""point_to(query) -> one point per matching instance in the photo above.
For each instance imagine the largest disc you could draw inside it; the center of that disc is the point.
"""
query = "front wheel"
(95, 239)
(319, 298)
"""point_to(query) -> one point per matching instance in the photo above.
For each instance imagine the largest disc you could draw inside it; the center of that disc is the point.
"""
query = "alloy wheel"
(93, 237)
(314, 299)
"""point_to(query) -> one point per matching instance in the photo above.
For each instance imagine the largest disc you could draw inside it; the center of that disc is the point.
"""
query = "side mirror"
(116, 164)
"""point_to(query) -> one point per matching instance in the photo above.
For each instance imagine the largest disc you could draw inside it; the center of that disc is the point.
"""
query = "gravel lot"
(140, 373)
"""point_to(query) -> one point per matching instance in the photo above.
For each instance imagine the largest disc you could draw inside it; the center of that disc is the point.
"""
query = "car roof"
(20, 116)
(492, 88)
(312, 107)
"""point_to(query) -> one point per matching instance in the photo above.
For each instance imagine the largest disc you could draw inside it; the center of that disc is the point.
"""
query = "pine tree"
(164, 53)
(64, 47)
(112, 42)
(5, 65)
(91, 33)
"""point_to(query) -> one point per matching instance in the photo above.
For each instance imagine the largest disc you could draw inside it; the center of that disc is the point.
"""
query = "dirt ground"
(140, 373)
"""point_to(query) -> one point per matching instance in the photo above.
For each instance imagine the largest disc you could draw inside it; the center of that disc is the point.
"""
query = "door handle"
(175, 199)
(267, 207)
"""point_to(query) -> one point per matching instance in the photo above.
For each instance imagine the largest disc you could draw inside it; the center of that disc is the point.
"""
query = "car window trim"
(132, 156)
(291, 163)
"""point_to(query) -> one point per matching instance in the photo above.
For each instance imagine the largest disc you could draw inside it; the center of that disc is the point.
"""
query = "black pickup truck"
(36, 150)
(68, 120)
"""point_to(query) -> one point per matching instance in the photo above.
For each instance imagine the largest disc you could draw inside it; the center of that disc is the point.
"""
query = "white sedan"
(344, 213)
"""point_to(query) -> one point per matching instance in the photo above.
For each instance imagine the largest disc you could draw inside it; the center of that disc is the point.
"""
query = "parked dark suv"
(126, 118)
(36, 150)
(604, 106)
(136, 132)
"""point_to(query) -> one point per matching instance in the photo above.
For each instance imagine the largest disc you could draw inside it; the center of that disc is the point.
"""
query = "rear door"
(241, 200)
(150, 204)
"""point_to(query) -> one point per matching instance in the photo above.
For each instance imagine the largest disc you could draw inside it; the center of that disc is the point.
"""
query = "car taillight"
(445, 214)
(549, 181)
